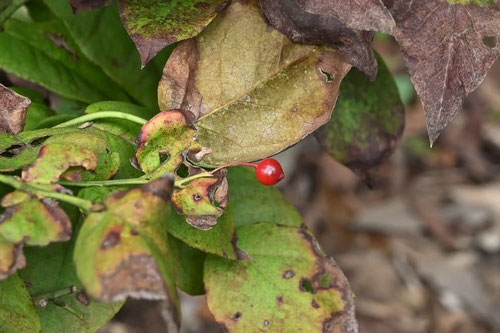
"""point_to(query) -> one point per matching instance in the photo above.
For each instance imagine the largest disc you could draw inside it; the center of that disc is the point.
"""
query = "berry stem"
(253, 165)
(100, 115)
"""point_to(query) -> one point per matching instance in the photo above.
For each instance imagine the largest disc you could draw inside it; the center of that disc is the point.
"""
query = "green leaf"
(28, 221)
(288, 286)
(17, 312)
(50, 269)
(162, 143)
(189, 268)
(113, 152)
(368, 120)
(23, 158)
(251, 202)
(152, 25)
(37, 113)
(123, 250)
(122, 128)
(102, 38)
(43, 52)
(252, 91)
(218, 240)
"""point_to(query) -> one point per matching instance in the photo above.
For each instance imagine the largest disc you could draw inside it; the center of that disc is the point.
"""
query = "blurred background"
(421, 249)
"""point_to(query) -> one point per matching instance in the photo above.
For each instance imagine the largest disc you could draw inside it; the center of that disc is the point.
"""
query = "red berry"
(269, 171)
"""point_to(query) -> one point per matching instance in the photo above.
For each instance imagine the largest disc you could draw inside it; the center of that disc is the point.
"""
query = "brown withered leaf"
(323, 28)
(13, 108)
(448, 50)
(123, 250)
(368, 15)
(203, 200)
(252, 91)
(80, 5)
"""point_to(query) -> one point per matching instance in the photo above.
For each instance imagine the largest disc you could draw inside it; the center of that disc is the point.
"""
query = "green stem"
(42, 300)
(10, 9)
(133, 181)
(180, 183)
(83, 204)
(113, 182)
(100, 115)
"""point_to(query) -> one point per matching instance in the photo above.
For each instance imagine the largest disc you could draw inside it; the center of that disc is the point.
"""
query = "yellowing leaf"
(123, 250)
(289, 285)
(252, 91)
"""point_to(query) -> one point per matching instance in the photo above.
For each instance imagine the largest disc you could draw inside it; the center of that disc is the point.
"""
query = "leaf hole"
(266, 322)
(328, 76)
(306, 285)
(164, 157)
(490, 41)
(182, 171)
(237, 316)
(197, 197)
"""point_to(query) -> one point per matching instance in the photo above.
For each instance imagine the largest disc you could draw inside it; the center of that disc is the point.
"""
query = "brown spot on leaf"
(288, 274)
(13, 108)
(279, 300)
(83, 298)
(61, 42)
(236, 316)
(202, 5)
(112, 239)
(315, 304)
(136, 276)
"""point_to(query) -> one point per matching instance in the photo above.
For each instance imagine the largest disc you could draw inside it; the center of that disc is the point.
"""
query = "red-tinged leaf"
(162, 143)
(32, 222)
(448, 48)
(13, 108)
(203, 200)
(322, 28)
(368, 15)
